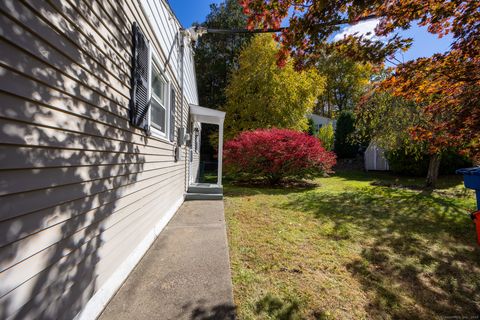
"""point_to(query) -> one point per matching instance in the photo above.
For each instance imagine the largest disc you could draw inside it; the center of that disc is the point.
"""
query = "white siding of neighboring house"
(320, 121)
(82, 193)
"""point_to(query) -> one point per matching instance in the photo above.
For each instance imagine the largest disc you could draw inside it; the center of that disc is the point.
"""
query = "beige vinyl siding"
(79, 187)
(195, 166)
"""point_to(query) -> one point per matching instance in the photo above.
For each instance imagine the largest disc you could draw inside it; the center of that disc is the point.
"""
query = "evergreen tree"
(216, 55)
(344, 145)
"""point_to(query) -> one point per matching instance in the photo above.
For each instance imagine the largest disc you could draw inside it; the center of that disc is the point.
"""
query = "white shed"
(375, 158)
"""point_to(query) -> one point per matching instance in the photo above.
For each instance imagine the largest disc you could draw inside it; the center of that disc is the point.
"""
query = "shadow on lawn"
(200, 311)
(277, 308)
(419, 258)
(381, 178)
(284, 309)
(242, 190)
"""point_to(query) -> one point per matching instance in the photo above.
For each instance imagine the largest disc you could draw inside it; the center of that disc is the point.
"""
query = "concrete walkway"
(185, 274)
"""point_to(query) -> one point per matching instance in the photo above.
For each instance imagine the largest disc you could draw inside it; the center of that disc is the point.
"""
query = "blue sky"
(424, 44)
(189, 11)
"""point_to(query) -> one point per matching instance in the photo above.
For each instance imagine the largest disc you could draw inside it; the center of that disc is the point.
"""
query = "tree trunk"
(433, 168)
(274, 179)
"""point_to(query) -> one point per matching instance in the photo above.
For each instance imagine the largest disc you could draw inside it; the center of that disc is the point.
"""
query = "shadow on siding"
(54, 222)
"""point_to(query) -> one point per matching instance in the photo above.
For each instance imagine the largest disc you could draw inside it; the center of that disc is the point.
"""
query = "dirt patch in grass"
(283, 184)
(348, 249)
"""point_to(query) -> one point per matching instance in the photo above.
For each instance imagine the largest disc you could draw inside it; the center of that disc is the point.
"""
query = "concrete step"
(203, 196)
(205, 188)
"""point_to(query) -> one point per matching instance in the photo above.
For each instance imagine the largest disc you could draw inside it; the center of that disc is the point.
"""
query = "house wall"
(320, 121)
(82, 193)
(195, 153)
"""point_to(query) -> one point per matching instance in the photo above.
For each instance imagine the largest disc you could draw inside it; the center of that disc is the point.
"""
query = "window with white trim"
(159, 99)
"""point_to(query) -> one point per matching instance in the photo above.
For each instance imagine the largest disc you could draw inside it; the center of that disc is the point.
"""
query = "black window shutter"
(172, 115)
(139, 99)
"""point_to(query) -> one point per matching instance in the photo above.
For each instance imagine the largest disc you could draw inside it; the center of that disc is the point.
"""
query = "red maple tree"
(276, 154)
(447, 85)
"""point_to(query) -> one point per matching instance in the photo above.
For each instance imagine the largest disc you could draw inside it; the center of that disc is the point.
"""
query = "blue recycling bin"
(471, 179)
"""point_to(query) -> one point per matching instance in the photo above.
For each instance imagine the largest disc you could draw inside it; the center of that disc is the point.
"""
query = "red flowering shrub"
(276, 154)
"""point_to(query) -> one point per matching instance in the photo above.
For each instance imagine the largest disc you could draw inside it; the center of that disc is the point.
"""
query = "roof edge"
(169, 7)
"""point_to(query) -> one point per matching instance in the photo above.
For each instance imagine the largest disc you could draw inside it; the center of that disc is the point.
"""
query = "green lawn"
(354, 246)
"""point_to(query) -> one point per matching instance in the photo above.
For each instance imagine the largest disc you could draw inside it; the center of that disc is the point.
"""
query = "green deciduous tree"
(326, 134)
(216, 55)
(346, 82)
(386, 120)
(261, 95)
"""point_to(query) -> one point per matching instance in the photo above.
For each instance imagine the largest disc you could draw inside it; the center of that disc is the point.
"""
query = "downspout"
(182, 130)
(182, 55)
